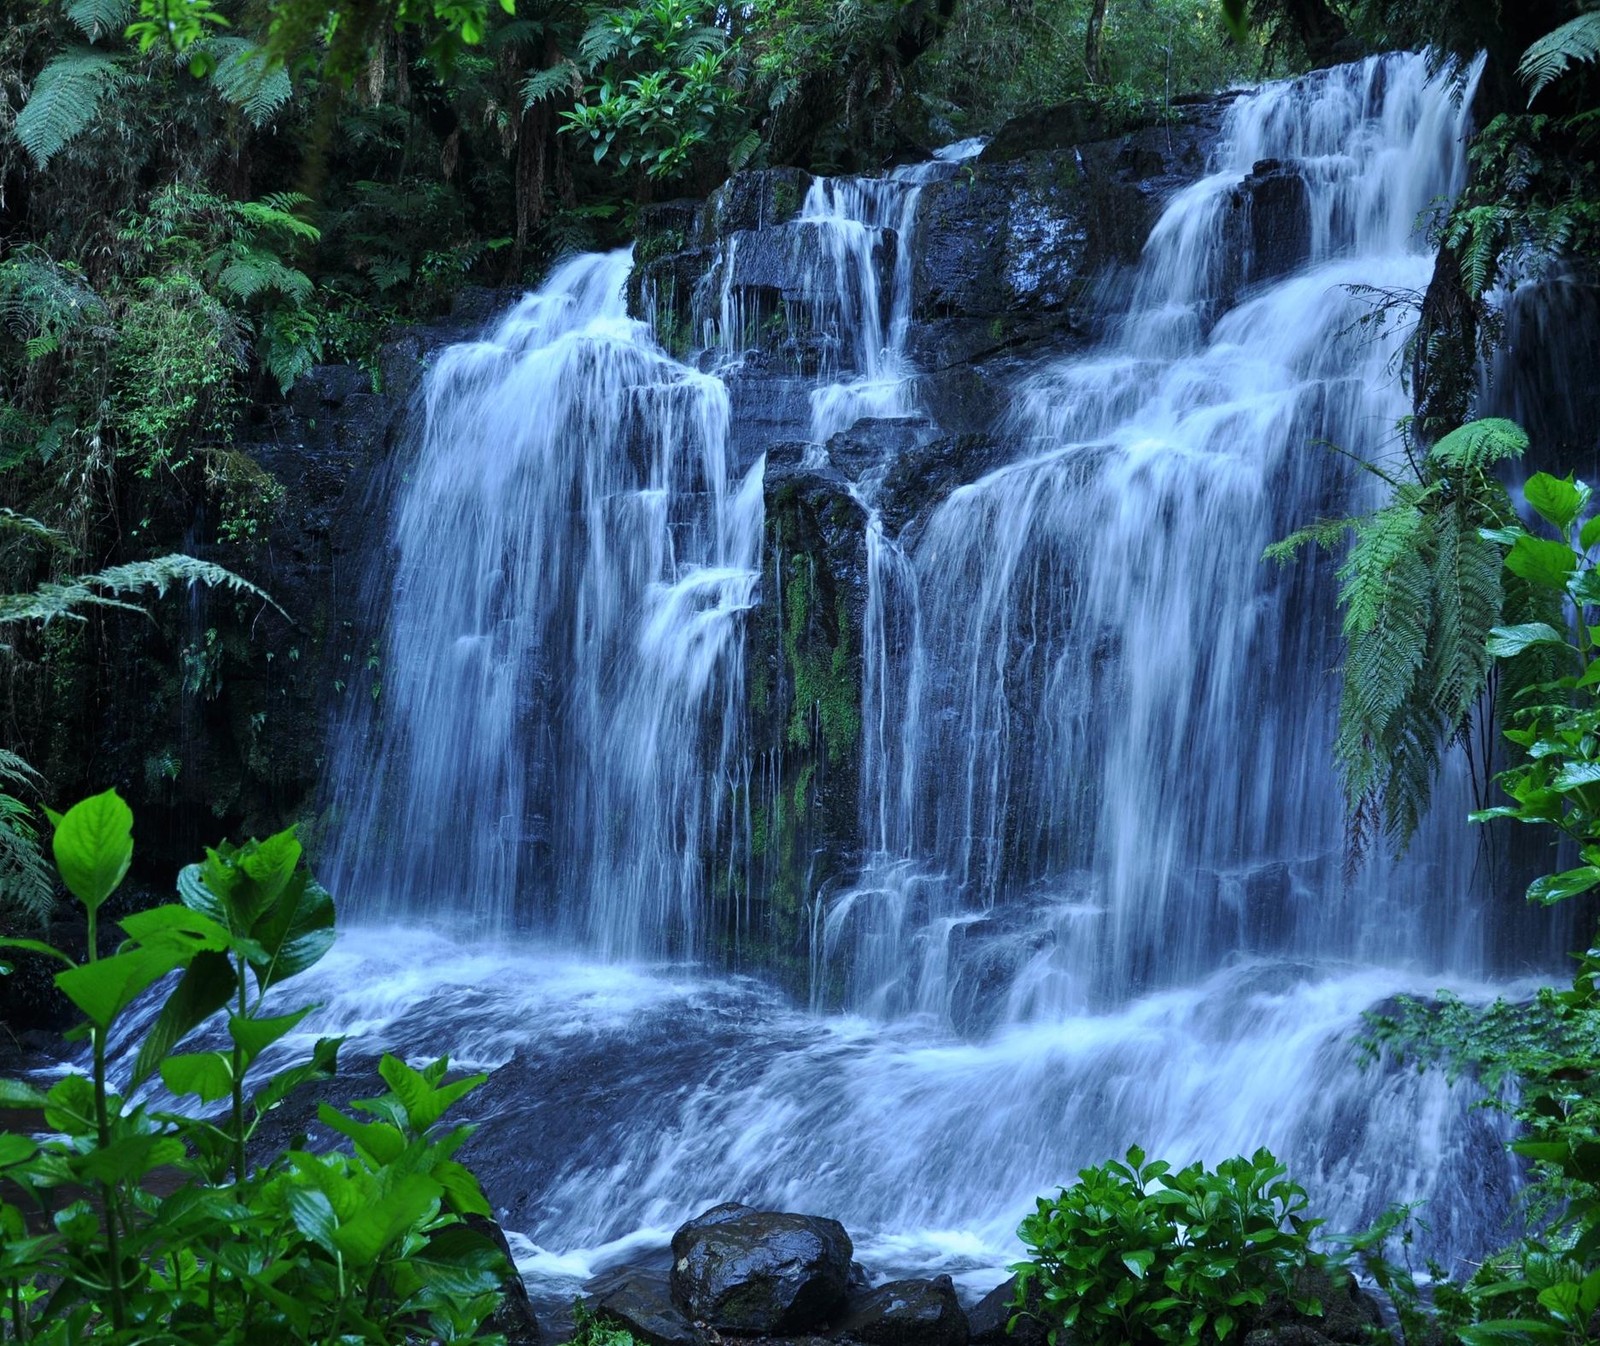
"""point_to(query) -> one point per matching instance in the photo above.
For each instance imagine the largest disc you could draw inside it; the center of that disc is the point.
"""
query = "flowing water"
(1102, 899)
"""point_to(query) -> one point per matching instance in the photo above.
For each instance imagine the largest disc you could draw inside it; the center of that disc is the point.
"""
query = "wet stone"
(640, 1300)
(906, 1313)
(760, 1272)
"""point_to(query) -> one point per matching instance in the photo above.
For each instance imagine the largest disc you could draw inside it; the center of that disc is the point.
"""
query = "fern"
(65, 99)
(541, 84)
(106, 588)
(252, 272)
(96, 19)
(601, 41)
(1420, 590)
(1548, 58)
(244, 77)
(27, 887)
(275, 212)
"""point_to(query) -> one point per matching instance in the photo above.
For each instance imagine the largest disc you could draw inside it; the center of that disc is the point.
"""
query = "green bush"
(133, 1223)
(1137, 1253)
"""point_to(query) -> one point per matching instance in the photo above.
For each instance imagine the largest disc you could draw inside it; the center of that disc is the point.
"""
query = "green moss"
(653, 247)
(824, 686)
(785, 201)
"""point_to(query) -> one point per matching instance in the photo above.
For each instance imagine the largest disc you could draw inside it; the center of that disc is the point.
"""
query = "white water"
(1102, 903)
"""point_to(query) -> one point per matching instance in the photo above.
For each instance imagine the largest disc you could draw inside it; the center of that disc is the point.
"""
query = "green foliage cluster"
(1140, 1252)
(133, 1223)
(1137, 1252)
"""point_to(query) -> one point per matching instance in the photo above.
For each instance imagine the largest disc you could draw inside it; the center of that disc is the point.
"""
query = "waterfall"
(1100, 898)
(561, 708)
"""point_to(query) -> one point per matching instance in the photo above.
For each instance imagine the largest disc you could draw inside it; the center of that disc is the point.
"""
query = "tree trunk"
(1091, 43)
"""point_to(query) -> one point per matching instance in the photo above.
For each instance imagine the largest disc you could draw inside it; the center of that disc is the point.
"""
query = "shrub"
(132, 1223)
(1136, 1253)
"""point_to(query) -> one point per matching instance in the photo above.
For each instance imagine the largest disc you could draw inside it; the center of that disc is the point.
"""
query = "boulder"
(760, 1272)
(906, 1313)
(989, 1316)
(640, 1300)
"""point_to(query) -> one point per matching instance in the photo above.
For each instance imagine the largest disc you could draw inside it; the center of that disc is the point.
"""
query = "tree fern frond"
(105, 588)
(1468, 601)
(65, 99)
(253, 272)
(1324, 533)
(1480, 445)
(21, 523)
(27, 884)
(276, 212)
(246, 78)
(1384, 542)
(600, 41)
(96, 19)
(1547, 59)
(562, 77)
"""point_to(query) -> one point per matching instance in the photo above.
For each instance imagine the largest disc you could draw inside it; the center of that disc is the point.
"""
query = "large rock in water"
(760, 1272)
(907, 1313)
(991, 1315)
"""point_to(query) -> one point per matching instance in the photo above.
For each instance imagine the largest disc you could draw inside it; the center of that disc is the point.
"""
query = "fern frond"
(1324, 533)
(1385, 542)
(1547, 59)
(96, 19)
(1468, 601)
(246, 78)
(105, 589)
(276, 212)
(65, 99)
(252, 272)
(600, 41)
(27, 885)
(21, 523)
(1479, 445)
(562, 77)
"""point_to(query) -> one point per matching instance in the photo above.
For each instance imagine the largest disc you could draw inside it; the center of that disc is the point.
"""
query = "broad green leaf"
(19, 1094)
(37, 946)
(1558, 501)
(322, 1066)
(254, 1036)
(1542, 562)
(313, 1216)
(102, 990)
(424, 1102)
(1237, 15)
(364, 1239)
(1576, 775)
(193, 893)
(16, 1148)
(1558, 887)
(206, 1074)
(462, 1263)
(182, 927)
(205, 987)
(381, 1141)
(129, 1157)
(1589, 534)
(1139, 1262)
(69, 1106)
(1505, 642)
(294, 933)
(1512, 1332)
(461, 1187)
(93, 845)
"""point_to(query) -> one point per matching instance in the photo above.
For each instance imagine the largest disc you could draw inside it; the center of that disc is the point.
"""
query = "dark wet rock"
(918, 480)
(906, 1313)
(990, 1316)
(760, 1272)
(760, 199)
(1349, 1314)
(875, 442)
(1273, 209)
(514, 1319)
(984, 959)
(640, 1300)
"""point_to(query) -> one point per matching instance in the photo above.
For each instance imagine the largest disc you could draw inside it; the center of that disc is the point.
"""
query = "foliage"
(107, 588)
(1136, 1252)
(1421, 589)
(364, 1246)
(26, 887)
(1577, 40)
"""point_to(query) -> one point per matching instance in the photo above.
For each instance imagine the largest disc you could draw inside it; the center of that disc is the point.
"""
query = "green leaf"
(365, 1239)
(1542, 562)
(461, 1263)
(205, 987)
(1511, 1332)
(1576, 775)
(16, 1148)
(1589, 534)
(295, 933)
(322, 1066)
(313, 1216)
(37, 946)
(129, 1157)
(1557, 500)
(254, 1036)
(384, 1143)
(102, 990)
(181, 927)
(1505, 642)
(1558, 887)
(206, 1074)
(93, 845)
(1139, 1262)
(1237, 16)
(19, 1094)
(193, 893)
(1480, 444)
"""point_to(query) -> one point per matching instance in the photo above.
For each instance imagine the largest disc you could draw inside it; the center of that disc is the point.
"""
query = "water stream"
(1101, 898)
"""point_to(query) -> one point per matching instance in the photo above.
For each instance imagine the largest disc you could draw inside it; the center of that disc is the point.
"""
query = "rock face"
(760, 1272)
(990, 1316)
(907, 1313)
(640, 1300)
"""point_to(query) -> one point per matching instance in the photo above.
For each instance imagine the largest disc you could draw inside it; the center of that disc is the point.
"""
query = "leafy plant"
(1136, 1252)
(366, 1246)
(1421, 590)
(1575, 41)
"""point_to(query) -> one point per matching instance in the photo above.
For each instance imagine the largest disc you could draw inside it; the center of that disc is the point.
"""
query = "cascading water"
(561, 699)
(1101, 902)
